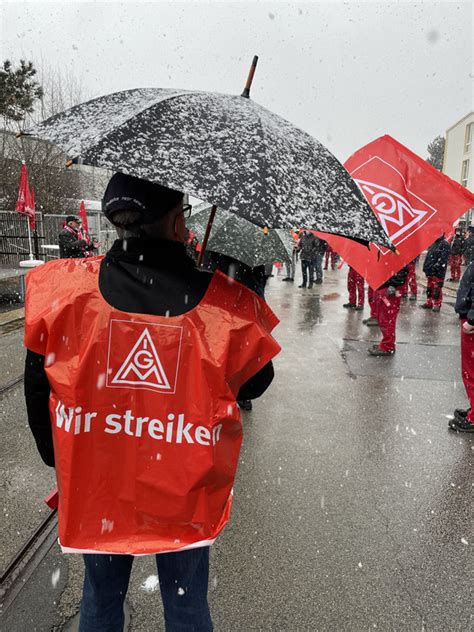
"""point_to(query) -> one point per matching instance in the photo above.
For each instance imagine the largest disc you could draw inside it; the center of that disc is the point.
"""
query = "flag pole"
(29, 238)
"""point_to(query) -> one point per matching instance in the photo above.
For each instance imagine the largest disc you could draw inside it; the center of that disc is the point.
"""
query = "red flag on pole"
(25, 203)
(85, 223)
(414, 202)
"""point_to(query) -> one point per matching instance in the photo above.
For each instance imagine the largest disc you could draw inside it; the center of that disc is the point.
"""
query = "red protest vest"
(146, 428)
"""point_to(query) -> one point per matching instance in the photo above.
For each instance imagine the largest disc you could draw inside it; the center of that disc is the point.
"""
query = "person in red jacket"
(387, 306)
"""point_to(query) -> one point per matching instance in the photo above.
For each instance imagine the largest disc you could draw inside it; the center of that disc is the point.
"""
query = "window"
(468, 138)
(465, 172)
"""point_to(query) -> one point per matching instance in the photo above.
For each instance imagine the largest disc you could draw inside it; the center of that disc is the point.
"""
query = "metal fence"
(14, 246)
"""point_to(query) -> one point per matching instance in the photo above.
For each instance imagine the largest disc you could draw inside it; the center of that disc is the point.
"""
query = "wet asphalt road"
(352, 503)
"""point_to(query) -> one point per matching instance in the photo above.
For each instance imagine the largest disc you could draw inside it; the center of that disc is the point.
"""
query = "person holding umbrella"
(143, 398)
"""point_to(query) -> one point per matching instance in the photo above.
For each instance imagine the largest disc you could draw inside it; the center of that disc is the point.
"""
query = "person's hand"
(467, 328)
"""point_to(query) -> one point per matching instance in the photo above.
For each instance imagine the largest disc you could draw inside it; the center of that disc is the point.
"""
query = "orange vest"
(146, 428)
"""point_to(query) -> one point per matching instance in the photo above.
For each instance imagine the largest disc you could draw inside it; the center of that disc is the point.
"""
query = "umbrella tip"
(248, 85)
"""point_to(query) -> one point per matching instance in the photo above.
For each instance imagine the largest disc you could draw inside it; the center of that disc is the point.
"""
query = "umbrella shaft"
(206, 236)
(248, 85)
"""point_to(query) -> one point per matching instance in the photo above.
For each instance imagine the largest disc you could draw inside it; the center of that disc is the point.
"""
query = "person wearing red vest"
(135, 361)
(70, 240)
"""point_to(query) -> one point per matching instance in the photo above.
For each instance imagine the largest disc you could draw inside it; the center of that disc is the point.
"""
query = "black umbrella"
(238, 238)
(224, 149)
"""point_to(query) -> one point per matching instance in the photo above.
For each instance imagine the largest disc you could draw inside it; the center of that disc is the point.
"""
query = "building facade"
(458, 152)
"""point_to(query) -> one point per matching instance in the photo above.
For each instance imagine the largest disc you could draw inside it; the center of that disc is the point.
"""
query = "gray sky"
(346, 72)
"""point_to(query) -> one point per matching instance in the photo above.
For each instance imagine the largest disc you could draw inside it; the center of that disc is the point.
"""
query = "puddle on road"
(330, 297)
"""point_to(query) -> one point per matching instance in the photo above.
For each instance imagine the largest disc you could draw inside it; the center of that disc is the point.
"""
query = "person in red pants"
(332, 254)
(410, 282)
(435, 266)
(463, 420)
(372, 299)
(387, 306)
(355, 287)
(455, 258)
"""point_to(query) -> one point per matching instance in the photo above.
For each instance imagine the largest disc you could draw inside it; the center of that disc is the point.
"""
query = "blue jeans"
(318, 266)
(183, 583)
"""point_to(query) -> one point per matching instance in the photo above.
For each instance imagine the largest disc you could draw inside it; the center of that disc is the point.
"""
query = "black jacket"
(253, 278)
(464, 305)
(307, 247)
(398, 279)
(436, 261)
(457, 247)
(321, 246)
(148, 278)
(468, 248)
(70, 246)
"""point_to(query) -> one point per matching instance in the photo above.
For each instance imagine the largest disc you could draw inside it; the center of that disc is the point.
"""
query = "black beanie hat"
(126, 192)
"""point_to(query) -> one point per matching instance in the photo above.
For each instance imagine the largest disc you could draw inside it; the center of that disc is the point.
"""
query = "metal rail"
(33, 540)
(30, 554)
(11, 384)
(11, 326)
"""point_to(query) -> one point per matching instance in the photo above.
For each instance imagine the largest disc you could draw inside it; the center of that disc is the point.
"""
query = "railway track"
(23, 563)
(8, 386)
(11, 326)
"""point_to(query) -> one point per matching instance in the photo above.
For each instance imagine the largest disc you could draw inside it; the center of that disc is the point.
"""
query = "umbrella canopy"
(224, 149)
(236, 237)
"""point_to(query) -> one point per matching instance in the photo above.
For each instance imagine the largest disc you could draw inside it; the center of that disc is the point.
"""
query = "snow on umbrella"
(238, 238)
(224, 149)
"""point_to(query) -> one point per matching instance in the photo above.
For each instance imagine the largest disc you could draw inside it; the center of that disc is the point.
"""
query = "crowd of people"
(384, 302)
(315, 256)
(147, 291)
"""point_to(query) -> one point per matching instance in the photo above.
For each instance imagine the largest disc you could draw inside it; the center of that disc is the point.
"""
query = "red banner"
(25, 202)
(414, 202)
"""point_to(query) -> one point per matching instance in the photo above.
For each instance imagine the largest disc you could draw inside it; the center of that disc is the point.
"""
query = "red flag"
(414, 202)
(32, 217)
(25, 203)
(83, 216)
